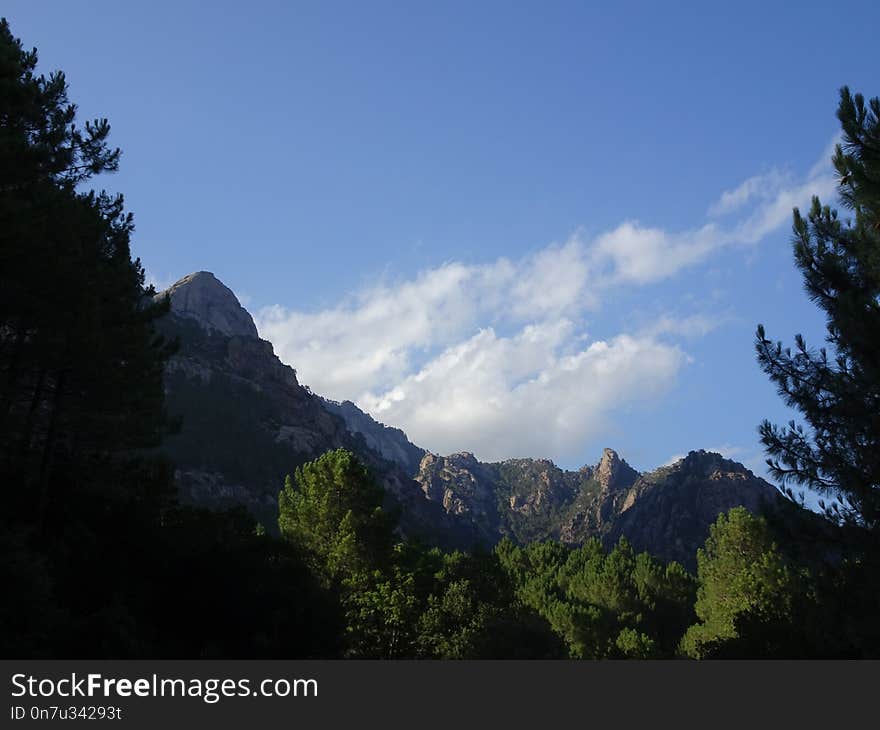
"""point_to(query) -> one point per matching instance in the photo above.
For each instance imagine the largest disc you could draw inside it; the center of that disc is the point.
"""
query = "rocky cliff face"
(391, 443)
(670, 509)
(524, 499)
(204, 298)
(466, 488)
(666, 512)
(613, 473)
(247, 422)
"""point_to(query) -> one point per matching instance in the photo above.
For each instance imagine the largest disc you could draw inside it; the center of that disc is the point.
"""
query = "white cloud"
(553, 282)
(494, 358)
(159, 281)
(521, 396)
(728, 451)
(694, 325)
(372, 340)
(639, 254)
(675, 458)
(761, 187)
(778, 193)
(634, 253)
(823, 165)
(777, 210)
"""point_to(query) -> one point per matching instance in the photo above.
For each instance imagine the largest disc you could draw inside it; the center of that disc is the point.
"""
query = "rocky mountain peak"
(708, 463)
(203, 297)
(612, 472)
(463, 460)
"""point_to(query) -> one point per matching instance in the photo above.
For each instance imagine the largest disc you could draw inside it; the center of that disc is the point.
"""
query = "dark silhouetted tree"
(96, 557)
(836, 451)
(80, 363)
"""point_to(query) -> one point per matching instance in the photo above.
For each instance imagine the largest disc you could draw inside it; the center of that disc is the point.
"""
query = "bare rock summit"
(614, 473)
(203, 297)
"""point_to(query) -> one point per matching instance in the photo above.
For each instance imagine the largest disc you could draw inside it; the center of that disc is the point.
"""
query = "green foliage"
(404, 600)
(603, 605)
(474, 613)
(744, 582)
(382, 612)
(332, 511)
(634, 644)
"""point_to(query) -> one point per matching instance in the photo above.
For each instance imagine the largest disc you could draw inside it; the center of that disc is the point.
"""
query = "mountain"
(247, 422)
(203, 297)
(519, 498)
(391, 443)
(666, 512)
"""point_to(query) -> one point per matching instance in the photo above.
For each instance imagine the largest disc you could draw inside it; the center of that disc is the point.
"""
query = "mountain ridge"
(251, 421)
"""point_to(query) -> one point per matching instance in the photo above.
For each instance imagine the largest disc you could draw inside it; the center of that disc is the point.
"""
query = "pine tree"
(81, 394)
(332, 511)
(836, 450)
(746, 595)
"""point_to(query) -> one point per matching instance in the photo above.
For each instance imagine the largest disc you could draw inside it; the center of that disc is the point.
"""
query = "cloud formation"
(495, 358)
(374, 339)
(518, 396)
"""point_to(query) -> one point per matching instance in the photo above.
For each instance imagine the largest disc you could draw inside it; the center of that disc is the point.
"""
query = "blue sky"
(521, 229)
